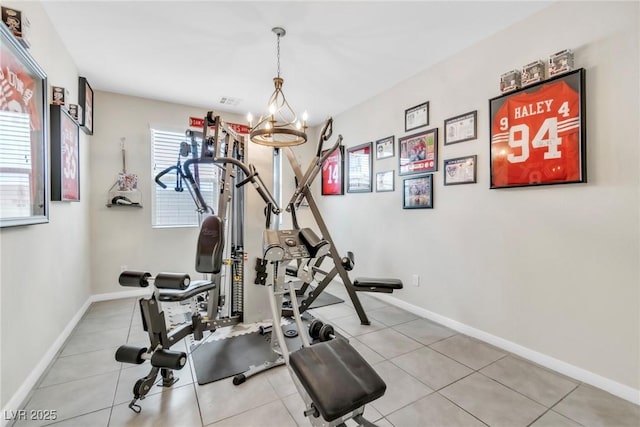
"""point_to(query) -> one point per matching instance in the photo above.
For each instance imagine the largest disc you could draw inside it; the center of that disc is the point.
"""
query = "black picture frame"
(332, 173)
(417, 192)
(25, 132)
(360, 167)
(461, 170)
(551, 117)
(461, 128)
(385, 181)
(86, 101)
(416, 117)
(65, 156)
(385, 147)
(418, 153)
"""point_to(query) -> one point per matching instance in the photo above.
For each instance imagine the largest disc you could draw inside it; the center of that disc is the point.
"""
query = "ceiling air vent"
(227, 100)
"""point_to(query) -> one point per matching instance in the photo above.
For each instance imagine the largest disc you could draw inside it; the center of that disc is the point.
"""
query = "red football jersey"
(536, 137)
(17, 89)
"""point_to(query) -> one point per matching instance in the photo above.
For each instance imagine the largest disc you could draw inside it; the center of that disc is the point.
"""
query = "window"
(173, 206)
(15, 165)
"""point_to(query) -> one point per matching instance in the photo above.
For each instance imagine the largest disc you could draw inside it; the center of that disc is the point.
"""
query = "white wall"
(44, 275)
(553, 269)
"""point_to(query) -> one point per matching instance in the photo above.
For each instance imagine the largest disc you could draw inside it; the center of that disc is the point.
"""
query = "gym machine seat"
(336, 377)
(367, 284)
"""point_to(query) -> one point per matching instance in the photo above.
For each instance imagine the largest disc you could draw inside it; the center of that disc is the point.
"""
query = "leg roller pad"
(130, 354)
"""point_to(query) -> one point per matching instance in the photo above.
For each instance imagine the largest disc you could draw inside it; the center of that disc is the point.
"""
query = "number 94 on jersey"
(537, 134)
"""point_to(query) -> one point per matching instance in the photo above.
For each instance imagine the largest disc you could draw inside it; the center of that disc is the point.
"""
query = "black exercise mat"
(227, 357)
(325, 298)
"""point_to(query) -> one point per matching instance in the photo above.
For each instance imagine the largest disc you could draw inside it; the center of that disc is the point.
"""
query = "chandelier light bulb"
(305, 116)
(272, 109)
(298, 125)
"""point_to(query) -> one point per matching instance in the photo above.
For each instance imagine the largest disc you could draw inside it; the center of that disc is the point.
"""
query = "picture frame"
(537, 134)
(418, 153)
(360, 165)
(385, 147)
(65, 156)
(385, 181)
(417, 192)
(461, 170)
(24, 189)
(85, 100)
(461, 128)
(416, 117)
(333, 173)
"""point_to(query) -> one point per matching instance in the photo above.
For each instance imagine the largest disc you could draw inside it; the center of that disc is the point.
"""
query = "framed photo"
(419, 152)
(416, 117)
(65, 159)
(538, 134)
(85, 99)
(461, 170)
(384, 147)
(417, 192)
(360, 164)
(24, 134)
(385, 181)
(461, 128)
(333, 173)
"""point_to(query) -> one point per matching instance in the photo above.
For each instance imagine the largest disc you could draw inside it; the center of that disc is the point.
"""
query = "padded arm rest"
(196, 287)
(336, 377)
(316, 246)
(368, 284)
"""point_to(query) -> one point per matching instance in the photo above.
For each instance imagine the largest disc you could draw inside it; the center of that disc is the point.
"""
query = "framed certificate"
(416, 117)
(418, 152)
(384, 181)
(538, 134)
(384, 147)
(360, 166)
(461, 170)
(333, 173)
(461, 128)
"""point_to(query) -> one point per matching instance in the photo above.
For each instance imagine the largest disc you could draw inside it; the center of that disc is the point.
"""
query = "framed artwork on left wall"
(65, 156)
(85, 99)
(23, 136)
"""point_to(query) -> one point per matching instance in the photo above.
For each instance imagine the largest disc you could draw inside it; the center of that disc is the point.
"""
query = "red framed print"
(65, 159)
(419, 152)
(23, 136)
(333, 173)
(85, 99)
(538, 134)
(359, 179)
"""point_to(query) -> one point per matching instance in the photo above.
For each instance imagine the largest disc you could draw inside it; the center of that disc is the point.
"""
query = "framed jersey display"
(333, 173)
(538, 134)
(24, 134)
(65, 156)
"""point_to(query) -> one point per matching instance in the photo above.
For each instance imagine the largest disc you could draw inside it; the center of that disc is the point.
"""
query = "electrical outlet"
(123, 268)
(415, 280)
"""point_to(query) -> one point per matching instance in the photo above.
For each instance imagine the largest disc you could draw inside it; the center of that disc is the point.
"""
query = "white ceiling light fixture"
(279, 125)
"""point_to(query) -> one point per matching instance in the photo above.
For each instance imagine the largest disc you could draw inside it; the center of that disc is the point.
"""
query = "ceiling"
(334, 56)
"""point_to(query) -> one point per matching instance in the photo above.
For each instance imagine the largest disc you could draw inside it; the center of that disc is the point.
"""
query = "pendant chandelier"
(279, 125)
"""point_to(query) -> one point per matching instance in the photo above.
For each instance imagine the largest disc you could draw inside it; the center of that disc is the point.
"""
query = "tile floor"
(434, 376)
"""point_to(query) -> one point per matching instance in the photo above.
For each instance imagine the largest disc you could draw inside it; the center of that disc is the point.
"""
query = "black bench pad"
(336, 377)
(367, 282)
(194, 288)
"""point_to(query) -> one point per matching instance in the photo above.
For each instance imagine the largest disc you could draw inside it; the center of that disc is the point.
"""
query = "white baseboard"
(17, 401)
(606, 384)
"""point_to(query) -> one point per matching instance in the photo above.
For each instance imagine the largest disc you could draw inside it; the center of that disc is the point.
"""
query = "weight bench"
(337, 379)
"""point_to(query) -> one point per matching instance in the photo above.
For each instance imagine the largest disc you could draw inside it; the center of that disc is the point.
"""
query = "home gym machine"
(311, 270)
(213, 254)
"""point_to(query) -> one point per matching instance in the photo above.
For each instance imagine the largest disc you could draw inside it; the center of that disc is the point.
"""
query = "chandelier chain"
(278, 49)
